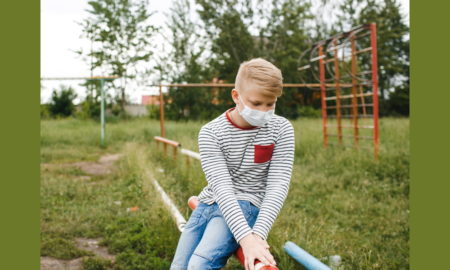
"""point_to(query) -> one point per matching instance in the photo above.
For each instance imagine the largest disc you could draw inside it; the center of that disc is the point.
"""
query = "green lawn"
(340, 201)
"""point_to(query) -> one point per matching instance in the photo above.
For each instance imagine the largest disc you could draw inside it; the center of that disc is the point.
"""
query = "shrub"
(61, 104)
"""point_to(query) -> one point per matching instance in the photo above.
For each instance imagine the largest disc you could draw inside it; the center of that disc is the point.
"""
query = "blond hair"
(264, 74)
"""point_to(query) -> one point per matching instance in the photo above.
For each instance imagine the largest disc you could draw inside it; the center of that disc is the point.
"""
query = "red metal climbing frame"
(348, 62)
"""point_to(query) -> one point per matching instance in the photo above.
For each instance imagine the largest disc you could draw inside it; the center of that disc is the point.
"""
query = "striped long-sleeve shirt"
(247, 163)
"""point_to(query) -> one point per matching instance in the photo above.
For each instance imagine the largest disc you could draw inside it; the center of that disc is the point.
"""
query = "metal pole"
(161, 112)
(102, 115)
(354, 93)
(338, 91)
(373, 44)
(322, 92)
(161, 117)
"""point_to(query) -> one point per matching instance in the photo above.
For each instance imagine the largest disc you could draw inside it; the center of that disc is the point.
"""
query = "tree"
(184, 62)
(242, 29)
(287, 38)
(61, 104)
(229, 35)
(392, 43)
(121, 33)
(90, 107)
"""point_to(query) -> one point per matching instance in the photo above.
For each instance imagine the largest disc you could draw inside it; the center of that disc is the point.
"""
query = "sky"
(61, 36)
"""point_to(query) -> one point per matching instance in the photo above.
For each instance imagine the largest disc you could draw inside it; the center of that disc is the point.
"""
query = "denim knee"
(198, 262)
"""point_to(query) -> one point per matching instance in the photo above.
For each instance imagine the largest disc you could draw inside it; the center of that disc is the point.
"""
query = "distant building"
(150, 100)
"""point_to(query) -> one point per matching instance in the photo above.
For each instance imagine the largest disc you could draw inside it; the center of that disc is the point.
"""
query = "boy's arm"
(278, 180)
(216, 171)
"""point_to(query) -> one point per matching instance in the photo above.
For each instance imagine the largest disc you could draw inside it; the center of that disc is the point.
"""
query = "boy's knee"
(198, 262)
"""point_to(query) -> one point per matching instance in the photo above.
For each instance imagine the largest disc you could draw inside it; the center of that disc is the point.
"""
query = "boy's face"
(253, 98)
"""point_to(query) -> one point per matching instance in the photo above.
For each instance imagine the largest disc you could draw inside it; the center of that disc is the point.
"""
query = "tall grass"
(340, 201)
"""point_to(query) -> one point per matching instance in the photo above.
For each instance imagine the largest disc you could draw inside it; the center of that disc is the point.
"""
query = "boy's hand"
(253, 248)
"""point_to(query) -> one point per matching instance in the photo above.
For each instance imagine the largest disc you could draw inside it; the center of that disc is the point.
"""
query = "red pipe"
(373, 44)
(322, 92)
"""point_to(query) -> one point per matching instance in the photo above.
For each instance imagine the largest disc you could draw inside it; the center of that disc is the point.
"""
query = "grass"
(340, 200)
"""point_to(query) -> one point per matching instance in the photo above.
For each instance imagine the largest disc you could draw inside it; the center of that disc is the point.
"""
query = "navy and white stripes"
(252, 164)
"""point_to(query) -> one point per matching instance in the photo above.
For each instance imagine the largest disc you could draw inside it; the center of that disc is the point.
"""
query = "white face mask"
(255, 117)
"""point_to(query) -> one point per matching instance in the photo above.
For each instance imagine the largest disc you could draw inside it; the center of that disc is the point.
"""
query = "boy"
(247, 155)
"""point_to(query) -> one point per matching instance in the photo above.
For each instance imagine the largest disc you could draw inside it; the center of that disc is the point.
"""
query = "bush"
(96, 264)
(153, 111)
(61, 104)
(45, 111)
(90, 108)
(308, 111)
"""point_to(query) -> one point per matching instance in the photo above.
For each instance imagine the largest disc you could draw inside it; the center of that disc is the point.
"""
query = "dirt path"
(91, 245)
(103, 166)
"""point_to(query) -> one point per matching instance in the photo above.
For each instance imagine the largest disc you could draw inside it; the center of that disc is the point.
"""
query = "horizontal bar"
(167, 141)
(316, 58)
(350, 106)
(349, 96)
(351, 136)
(351, 116)
(329, 60)
(349, 56)
(344, 85)
(304, 67)
(190, 153)
(349, 126)
(344, 34)
(364, 72)
(363, 35)
(335, 47)
(79, 78)
(287, 85)
(350, 145)
(368, 49)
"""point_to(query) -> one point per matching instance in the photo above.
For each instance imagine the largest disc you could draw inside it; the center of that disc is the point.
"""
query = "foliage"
(96, 264)
(211, 44)
(61, 104)
(45, 111)
(308, 111)
(287, 39)
(392, 47)
(90, 106)
(121, 33)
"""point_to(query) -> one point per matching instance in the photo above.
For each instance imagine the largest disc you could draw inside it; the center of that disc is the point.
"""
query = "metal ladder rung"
(351, 136)
(351, 116)
(346, 126)
(350, 106)
(349, 96)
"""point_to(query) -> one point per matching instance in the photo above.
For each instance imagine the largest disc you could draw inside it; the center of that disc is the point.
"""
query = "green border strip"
(430, 135)
(19, 145)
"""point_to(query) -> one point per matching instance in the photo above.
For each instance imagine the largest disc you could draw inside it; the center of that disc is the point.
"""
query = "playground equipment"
(352, 72)
(188, 153)
(219, 85)
(345, 83)
(166, 142)
(179, 219)
(102, 80)
(193, 202)
(346, 70)
(304, 258)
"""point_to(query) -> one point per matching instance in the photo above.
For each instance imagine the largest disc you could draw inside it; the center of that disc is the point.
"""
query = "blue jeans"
(207, 242)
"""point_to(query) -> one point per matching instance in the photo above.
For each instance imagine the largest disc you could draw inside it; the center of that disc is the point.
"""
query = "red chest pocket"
(263, 153)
